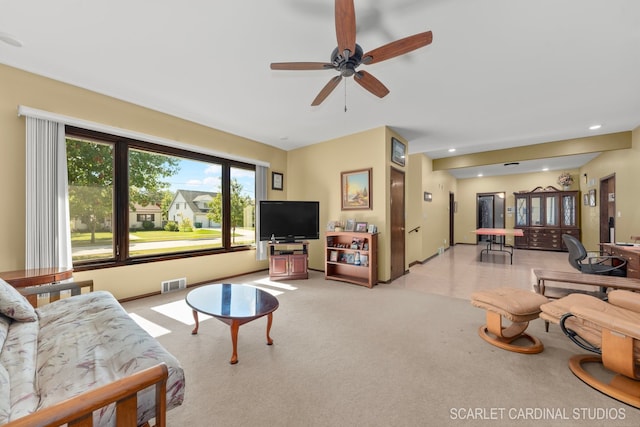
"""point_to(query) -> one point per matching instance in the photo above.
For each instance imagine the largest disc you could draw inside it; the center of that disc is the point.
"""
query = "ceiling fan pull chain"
(345, 95)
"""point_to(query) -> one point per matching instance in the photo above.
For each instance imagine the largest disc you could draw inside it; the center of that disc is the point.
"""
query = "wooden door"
(607, 209)
(452, 210)
(397, 224)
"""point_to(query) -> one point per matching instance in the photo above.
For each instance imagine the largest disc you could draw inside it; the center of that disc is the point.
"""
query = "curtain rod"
(86, 124)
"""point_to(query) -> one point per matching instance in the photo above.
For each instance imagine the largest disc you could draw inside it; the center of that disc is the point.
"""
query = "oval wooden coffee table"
(234, 305)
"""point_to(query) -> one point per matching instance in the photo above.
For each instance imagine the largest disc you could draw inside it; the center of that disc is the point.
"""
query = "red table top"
(500, 231)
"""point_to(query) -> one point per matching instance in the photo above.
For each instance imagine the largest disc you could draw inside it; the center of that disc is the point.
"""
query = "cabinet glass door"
(569, 214)
(536, 211)
(521, 212)
(551, 208)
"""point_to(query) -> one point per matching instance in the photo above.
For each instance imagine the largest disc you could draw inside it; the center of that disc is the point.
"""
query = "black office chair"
(606, 264)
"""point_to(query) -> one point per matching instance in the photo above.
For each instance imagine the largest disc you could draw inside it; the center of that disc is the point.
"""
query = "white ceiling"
(499, 73)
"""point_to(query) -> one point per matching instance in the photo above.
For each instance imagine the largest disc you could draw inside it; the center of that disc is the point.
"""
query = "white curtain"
(261, 194)
(47, 215)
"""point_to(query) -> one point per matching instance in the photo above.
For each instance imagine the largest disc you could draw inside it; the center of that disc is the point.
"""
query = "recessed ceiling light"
(545, 169)
(595, 127)
(480, 175)
(451, 150)
(9, 39)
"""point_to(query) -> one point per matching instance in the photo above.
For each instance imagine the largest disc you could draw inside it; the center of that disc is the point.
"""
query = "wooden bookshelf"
(351, 257)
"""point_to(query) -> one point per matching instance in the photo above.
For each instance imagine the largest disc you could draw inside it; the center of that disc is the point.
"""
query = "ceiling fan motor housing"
(347, 67)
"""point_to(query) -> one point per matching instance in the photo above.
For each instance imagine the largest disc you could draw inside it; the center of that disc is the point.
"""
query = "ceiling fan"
(349, 55)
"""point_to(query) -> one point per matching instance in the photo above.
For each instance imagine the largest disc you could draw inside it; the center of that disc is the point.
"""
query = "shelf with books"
(351, 257)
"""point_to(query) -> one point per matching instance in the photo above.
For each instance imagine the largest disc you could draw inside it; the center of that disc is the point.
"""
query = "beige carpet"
(345, 355)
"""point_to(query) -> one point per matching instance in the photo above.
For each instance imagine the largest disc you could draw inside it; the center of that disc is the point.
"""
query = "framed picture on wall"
(356, 189)
(277, 181)
(592, 197)
(398, 152)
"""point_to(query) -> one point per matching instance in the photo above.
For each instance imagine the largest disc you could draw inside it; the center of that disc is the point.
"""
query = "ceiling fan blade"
(301, 66)
(371, 84)
(326, 90)
(346, 27)
(398, 47)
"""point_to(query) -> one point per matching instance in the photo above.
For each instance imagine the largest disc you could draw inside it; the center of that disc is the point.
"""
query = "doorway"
(607, 202)
(397, 224)
(490, 208)
(452, 210)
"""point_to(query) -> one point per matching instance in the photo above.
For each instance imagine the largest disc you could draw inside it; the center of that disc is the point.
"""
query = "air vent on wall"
(173, 285)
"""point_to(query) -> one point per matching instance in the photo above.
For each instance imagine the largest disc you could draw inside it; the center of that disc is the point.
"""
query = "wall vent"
(173, 285)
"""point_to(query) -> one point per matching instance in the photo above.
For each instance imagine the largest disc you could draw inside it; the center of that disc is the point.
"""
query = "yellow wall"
(468, 189)
(315, 175)
(625, 165)
(21, 88)
(432, 217)
(311, 173)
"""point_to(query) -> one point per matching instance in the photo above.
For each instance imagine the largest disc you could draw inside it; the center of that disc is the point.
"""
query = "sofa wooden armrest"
(32, 293)
(78, 411)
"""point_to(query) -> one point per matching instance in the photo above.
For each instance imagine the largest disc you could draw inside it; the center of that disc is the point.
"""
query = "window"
(133, 201)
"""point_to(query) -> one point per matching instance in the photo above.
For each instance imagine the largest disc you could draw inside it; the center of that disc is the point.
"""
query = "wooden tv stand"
(288, 260)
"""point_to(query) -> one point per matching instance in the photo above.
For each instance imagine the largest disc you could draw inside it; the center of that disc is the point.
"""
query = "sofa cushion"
(14, 305)
(18, 357)
(5, 402)
(89, 340)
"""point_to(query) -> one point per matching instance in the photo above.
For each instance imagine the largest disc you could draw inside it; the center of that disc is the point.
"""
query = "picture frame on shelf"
(398, 152)
(333, 256)
(371, 228)
(355, 189)
(361, 227)
(351, 225)
(277, 181)
(364, 260)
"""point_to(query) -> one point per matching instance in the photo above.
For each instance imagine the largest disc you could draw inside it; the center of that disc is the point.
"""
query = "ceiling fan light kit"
(348, 55)
(9, 39)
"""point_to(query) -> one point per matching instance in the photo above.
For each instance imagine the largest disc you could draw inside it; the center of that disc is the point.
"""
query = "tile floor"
(459, 272)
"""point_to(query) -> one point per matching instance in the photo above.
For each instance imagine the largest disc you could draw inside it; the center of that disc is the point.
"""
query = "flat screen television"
(289, 221)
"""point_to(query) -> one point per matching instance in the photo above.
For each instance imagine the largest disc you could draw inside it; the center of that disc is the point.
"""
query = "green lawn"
(84, 239)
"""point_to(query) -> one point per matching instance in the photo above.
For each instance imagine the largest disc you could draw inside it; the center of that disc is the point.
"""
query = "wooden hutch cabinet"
(544, 215)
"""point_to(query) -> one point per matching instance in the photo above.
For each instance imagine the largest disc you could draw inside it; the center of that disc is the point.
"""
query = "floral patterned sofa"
(58, 351)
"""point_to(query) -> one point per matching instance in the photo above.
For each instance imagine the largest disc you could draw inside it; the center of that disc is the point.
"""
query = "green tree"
(238, 204)
(90, 173)
(165, 203)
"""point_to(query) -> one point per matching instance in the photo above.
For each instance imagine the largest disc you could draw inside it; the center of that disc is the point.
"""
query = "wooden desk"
(630, 253)
(588, 280)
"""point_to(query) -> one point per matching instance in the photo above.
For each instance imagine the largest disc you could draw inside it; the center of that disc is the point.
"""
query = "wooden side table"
(38, 281)
(35, 276)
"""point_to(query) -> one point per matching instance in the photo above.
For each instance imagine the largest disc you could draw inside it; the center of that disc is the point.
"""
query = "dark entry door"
(490, 212)
(397, 224)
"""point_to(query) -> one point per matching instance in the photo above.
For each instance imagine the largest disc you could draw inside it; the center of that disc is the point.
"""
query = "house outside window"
(174, 203)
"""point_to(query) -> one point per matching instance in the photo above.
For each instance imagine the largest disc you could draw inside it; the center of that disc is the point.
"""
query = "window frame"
(121, 146)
